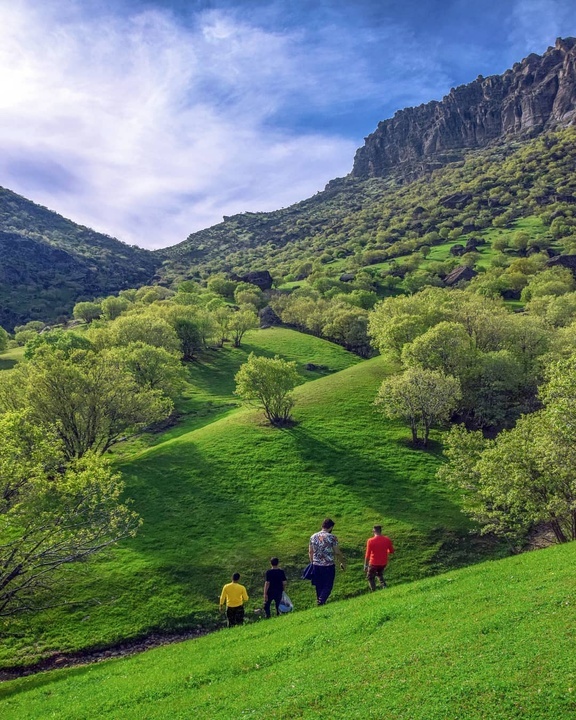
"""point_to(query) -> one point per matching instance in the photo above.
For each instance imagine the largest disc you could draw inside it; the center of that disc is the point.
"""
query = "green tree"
(4, 337)
(446, 347)
(67, 341)
(87, 311)
(241, 321)
(248, 294)
(268, 383)
(221, 285)
(526, 477)
(53, 513)
(558, 311)
(189, 336)
(143, 327)
(398, 320)
(113, 307)
(555, 281)
(22, 337)
(500, 243)
(420, 397)
(495, 391)
(222, 319)
(153, 368)
(91, 399)
(349, 327)
(520, 240)
(528, 339)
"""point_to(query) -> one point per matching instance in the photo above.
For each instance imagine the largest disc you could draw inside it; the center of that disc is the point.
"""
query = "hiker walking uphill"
(234, 596)
(378, 548)
(322, 550)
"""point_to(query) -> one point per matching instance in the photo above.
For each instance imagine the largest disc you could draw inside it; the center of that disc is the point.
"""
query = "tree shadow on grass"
(7, 363)
(34, 682)
(200, 519)
(392, 492)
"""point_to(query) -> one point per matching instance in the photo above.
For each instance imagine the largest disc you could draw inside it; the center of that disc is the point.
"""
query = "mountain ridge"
(535, 95)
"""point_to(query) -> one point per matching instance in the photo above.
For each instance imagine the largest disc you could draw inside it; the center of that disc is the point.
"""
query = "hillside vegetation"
(223, 491)
(50, 263)
(357, 223)
(47, 263)
(490, 642)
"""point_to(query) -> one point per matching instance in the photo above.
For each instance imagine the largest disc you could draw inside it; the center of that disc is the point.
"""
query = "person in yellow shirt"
(234, 596)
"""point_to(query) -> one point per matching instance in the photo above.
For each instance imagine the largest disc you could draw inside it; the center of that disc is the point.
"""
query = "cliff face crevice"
(537, 94)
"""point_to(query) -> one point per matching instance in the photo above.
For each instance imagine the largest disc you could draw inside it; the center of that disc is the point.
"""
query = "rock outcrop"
(566, 261)
(268, 317)
(463, 273)
(537, 94)
(261, 278)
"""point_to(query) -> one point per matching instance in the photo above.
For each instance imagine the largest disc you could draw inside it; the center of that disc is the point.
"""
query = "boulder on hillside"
(457, 250)
(459, 274)
(260, 278)
(347, 277)
(567, 261)
(456, 201)
(268, 317)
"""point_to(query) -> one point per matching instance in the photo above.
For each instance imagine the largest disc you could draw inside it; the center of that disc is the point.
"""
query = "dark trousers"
(324, 581)
(373, 572)
(268, 603)
(235, 615)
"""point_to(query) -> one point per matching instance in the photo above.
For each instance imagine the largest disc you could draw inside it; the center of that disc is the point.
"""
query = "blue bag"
(308, 572)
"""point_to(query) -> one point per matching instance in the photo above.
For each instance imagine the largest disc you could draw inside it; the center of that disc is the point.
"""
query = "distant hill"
(356, 223)
(47, 263)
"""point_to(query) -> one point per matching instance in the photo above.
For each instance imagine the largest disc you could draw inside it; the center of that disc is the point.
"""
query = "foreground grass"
(229, 495)
(490, 642)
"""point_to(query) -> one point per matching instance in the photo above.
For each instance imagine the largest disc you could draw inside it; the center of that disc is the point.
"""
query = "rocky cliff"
(537, 94)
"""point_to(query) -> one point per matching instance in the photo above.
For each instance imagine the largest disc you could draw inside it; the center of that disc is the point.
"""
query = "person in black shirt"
(274, 586)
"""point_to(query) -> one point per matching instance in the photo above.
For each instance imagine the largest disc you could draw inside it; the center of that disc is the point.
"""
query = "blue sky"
(151, 119)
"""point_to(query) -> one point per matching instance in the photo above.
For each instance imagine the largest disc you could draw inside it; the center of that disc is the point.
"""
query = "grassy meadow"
(9, 358)
(221, 491)
(494, 641)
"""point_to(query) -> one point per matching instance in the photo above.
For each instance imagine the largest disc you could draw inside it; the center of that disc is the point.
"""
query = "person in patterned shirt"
(323, 551)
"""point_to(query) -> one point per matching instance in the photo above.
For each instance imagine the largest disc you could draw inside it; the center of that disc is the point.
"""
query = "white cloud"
(535, 24)
(147, 130)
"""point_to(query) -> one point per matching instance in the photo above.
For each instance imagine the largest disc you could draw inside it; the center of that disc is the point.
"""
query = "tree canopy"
(268, 383)
(53, 512)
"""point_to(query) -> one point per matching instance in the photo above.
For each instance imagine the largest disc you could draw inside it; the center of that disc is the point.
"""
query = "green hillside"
(359, 223)
(490, 642)
(230, 492)
(47, 263)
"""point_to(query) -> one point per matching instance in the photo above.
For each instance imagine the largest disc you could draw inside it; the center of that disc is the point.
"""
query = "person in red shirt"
(378, 548)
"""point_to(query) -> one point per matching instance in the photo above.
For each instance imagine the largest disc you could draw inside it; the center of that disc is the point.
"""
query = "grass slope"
(490, 642)
(9, 358)
(211, 395)
(229, 495)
